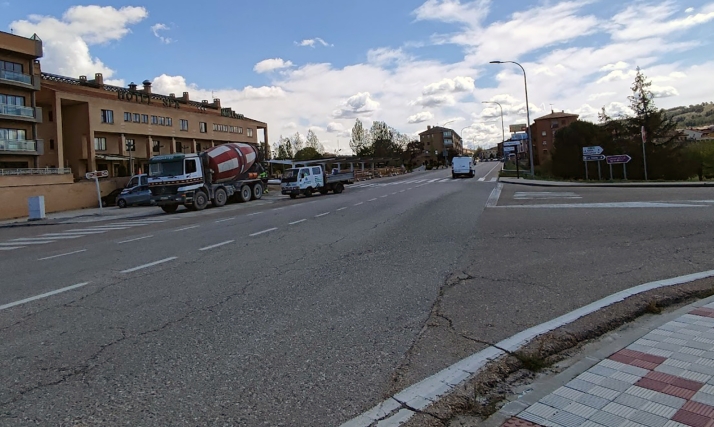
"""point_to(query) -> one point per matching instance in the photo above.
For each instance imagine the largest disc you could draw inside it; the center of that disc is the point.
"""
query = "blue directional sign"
(593, 158)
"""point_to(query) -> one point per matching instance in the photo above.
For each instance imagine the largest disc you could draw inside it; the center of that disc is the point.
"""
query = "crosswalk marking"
(28, 239)
(30, 242)
(483, 178)
(10, 248)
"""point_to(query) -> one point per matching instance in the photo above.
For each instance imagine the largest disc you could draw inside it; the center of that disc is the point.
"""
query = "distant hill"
(692, 116)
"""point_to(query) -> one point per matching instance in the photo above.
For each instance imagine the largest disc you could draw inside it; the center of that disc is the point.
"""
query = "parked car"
(139, 195)
(111, 198)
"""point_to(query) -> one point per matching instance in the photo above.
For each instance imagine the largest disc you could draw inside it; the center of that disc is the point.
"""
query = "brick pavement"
(664, 379)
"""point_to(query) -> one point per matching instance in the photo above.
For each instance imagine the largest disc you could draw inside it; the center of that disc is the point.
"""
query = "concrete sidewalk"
(664, 378)
(639, 184)
(85, 215)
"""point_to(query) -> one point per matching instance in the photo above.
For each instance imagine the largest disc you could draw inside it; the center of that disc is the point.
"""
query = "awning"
(113, 157)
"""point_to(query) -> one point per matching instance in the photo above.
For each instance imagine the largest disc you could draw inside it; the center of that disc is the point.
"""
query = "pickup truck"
(306, 180)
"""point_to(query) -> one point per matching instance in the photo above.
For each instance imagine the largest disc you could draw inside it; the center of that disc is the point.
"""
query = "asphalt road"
(278, 312)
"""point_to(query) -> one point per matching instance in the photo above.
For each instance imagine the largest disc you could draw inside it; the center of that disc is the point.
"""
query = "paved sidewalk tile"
(664, 379)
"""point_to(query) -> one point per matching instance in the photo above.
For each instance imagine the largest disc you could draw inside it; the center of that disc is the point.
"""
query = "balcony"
(17, 112)
(21, 80)
(21, 146)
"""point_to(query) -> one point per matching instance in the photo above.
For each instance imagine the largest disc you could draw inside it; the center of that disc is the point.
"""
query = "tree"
(359, 141)
(283, 149)
(413, 150)
(313, 142)
(297, 142)
(308, 153)
(569, 142)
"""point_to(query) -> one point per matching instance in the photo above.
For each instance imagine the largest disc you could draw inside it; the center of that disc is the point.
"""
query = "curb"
(610, 185)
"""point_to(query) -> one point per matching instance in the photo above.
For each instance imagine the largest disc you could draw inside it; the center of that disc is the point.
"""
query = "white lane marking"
(104, 228)
(372, 200)
(495, 195)
(29, 242)
(227, 242)
(492, 169)
(322, 214)
(29, 239)
(186, 228)
(381, 197)
(605, 205)
(494, 179)
(446, 180)
(360, 203)
(151, 264)
(10, 248)
(434, 180)
(402, 191)
(263, 232)
(394, 193)
(277, 209)
(423, 393)
(255, 213)
(297, 222)
(225, 219)
(341, 209)
(483, 178)
(81, 231)
(61, 255)
(45, 295)
(526, 195)
(134, 240)
(409, 188)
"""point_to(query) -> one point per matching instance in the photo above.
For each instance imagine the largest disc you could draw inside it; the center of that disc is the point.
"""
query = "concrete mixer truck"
(223, 172)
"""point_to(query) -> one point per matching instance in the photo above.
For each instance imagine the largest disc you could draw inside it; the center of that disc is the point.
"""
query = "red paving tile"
(691, 419)
(699, 408)
(622, 358)
(517, 422)
(703, 311)
(652, 384)
(644, 364)
(679, 392)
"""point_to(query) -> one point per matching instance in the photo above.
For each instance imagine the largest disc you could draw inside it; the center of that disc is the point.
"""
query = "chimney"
(217, 103)
(99, 79)
(132, 87)
(83, 79)
(184, 98)
(428, 127)
(172, 95)
(147, 86)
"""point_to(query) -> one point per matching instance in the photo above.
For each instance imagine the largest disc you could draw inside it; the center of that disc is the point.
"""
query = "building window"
(154, 120)
(179, 147)
(249, 131)
(130, 145)
(107, 116)
(100, 144)
(14, 134)
(50, 115)
(156, 147)
(240, 130)
(11, 66)
(215, 126)
(202, 127)
(198, 147)
(545, 142)
(544, 133)
(52, 144)
(127, 117)
(144, 118)
(184, 124)
(447, 134)
(169, 121)
(562, 122)
(162, 121)
(137, 118)
(545, 151)
(12, 100)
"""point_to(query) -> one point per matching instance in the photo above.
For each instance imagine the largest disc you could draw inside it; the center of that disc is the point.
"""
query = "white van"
(462, 166)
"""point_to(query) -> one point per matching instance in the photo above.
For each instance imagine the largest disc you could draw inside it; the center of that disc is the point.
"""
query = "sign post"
(593, 154)
(644, 154)
(95, 176)
(621, 159)
(513, 146)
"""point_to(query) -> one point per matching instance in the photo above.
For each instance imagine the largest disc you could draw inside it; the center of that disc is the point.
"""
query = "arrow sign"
(592, 151)
(616, 160)
(593, 158)
(511, 143)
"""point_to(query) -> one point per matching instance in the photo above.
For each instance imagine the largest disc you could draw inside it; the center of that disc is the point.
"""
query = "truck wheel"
(339, 187)
(169, 209)
(293, 196)
(220, 198)
(308, 192)
(244, 194)
(257, 191)
(200, 200)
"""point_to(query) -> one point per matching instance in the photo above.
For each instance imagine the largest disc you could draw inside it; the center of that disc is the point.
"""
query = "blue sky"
(321, 64)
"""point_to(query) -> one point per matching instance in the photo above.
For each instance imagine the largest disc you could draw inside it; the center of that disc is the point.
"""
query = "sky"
(321, 64)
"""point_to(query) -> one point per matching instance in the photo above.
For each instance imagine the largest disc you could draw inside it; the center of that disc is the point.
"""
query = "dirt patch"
(486, 392)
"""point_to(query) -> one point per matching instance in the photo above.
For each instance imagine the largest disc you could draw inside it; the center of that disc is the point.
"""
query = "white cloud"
(66, 41)
(619, 65)
(177, 84)
(161, 27)
(595, 96)
(663, 91)
(617, 75)
(272, 64)
(642, 20)
(434, 100)
(384, 56)
(335, 127)
(457, 84)
(360, 103)
(313, 42)
(422, 117)
(689, 10)
(453, 11)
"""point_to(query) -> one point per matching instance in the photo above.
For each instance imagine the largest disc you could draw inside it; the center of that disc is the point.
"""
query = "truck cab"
(302, 180)
(174, 178)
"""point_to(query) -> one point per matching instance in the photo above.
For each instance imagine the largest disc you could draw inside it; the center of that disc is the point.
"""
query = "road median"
(639, 184)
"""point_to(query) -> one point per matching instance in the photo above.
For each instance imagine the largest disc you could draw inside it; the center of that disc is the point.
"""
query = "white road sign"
(592, 151)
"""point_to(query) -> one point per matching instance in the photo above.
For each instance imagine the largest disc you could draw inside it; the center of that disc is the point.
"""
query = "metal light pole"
(528, 112)
(462, 137)
(503, 131)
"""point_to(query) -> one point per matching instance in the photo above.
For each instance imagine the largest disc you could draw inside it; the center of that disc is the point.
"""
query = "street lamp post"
(528, 112)
(503, 131)
(462, 137)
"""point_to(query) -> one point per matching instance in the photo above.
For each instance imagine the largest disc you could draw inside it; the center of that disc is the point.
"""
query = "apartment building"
(88, 125)
(543, 133)
(436, 139)
(20, 146)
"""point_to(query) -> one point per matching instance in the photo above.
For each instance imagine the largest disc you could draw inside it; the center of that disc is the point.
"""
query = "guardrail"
(16, 77)
(35, 171)
(17, 110)
(18, 145)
